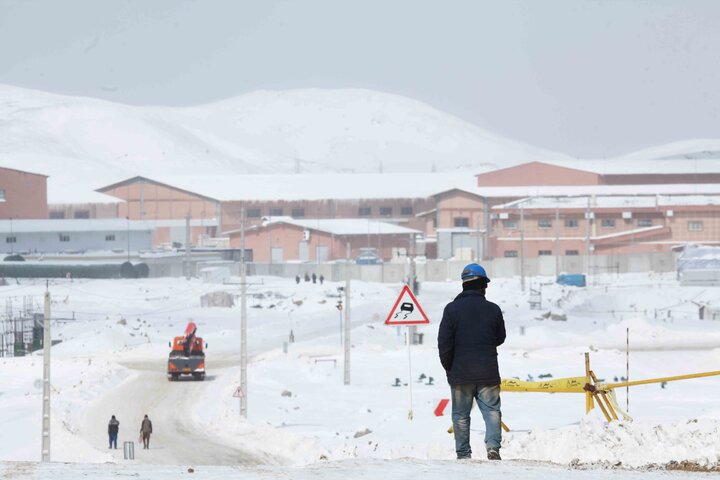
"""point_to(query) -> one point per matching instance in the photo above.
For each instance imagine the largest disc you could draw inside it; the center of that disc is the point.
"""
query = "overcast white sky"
(588, 78)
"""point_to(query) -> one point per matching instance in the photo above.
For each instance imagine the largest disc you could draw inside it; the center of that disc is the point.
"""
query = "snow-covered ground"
(304, 422)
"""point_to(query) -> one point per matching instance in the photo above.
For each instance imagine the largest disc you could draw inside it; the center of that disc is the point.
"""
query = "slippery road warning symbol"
(407, 310)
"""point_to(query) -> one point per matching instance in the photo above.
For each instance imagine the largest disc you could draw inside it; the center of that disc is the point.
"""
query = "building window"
(364, 211)
(109, 238)
(297, 212)
(2, 194)
(607, 222)
(276, 212)
(572, 253)
(644, 222)
(695, 225)
(406, 210)
(64, 238)
(509, 224)
(461, 221)
(544, 223)
(385, 211)
(571, 223)
(253, 213)
(81, 214)
(510, 253)
(57, 215)
(544, 253)
(10, 240)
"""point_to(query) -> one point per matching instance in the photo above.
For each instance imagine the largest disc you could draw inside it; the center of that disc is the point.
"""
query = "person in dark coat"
(145, 431)
(470, 331)
(314, 278)
(113, 428)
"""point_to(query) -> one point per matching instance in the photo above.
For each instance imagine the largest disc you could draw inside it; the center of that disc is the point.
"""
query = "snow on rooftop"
(342, 226)
(619, 201)
(585, 190)
(319, 186)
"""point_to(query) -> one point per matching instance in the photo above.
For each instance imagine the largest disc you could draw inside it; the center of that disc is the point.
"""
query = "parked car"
(368, 258)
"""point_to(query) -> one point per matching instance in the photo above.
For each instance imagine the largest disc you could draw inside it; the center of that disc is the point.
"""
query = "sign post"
(407, 311)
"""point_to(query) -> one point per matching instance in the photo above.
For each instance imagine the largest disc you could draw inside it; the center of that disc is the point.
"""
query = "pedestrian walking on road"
(470, 331)
(113, 428)
(314, 278)
(321, 278)
(145, 431)
(297, 279)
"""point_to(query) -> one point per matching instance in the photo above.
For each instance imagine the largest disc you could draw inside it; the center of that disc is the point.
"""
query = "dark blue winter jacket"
(470, 331)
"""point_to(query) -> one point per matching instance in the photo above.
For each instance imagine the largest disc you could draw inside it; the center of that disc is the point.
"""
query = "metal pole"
(627, 369)
(243, 318)
(557, 237)
(187, 246)
(347, 315)
(587, 239)
(410, 377)
(47, 343)
(522, 247)
(127, 235)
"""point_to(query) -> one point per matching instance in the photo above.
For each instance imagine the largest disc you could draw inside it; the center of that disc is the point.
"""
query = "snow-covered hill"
(261, 132)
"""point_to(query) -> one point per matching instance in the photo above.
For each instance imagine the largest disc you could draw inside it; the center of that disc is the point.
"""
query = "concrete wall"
(443, 270)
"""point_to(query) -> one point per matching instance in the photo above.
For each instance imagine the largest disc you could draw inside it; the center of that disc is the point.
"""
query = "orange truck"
(187, 357)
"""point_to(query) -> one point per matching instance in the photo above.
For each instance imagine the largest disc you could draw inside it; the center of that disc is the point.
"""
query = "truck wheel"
(199, 376)
(173, 377)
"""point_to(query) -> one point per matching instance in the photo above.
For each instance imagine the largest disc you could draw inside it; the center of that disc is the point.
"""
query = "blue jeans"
(488, 400)
(113, 440)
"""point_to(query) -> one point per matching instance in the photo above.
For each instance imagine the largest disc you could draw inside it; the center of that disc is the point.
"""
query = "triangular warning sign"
(407, 310)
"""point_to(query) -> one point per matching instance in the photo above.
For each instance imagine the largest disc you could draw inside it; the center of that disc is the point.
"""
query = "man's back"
(470, 331)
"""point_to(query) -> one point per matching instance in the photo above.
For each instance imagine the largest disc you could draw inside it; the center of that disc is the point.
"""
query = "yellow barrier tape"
(564, 385)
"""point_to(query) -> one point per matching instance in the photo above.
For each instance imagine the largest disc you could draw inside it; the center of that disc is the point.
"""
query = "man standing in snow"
(470, 332)
(113, 428)
(145, 431)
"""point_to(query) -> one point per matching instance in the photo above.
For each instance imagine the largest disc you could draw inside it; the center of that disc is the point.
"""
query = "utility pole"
(127, 235)
(243, 318)
(522, 246)
(587, 238)
(47, 343)
(347, 315)
(187, 246)
(557, 236)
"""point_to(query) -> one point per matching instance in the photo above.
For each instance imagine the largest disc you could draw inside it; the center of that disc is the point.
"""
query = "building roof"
(585, 190)
(318, 186)
(23, 171)
(336, 226)
(611, 201)
(73, 225)
(639, 166)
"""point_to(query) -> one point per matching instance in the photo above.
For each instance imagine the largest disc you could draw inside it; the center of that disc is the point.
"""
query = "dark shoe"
(493, 454)
(467, 457)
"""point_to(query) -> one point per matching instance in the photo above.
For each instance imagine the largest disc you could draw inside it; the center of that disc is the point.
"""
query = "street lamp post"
(127, 236)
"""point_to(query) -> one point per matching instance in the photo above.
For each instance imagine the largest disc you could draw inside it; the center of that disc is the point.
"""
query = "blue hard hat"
(473, 271)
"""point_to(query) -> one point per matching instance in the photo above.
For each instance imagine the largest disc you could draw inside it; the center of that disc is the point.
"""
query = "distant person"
(145, 431)
(314, 278)
(307, 277)
(321, 278)
(470, 332)
(297, 279)
(113, 428)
